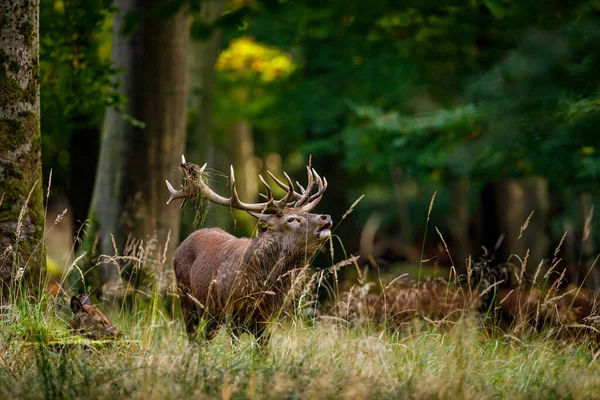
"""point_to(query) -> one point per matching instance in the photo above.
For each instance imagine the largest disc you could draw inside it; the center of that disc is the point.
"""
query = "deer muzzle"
(324, 231)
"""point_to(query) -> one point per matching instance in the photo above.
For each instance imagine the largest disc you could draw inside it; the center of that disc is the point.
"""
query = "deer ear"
(86, 299)
(76, 305)
(255, 215)
(264, 220)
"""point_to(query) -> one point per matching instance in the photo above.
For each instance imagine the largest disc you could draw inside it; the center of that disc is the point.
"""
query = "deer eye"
(291, 219)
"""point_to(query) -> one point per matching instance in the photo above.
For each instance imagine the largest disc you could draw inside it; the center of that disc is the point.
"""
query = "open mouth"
(325, 231)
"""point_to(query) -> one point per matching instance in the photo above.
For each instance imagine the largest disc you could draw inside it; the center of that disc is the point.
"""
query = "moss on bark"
(10, 91)
(21, 210)
(26, 29)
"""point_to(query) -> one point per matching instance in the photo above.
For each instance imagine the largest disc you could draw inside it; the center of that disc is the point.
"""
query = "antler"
(195, 186)
(304, 200)
(182, 193)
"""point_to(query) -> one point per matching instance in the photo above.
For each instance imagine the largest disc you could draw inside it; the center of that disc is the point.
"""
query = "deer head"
(89, 321)
(287, 217)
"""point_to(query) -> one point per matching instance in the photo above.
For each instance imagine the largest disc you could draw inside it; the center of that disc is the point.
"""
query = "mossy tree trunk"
(21, 198)
(129, 198)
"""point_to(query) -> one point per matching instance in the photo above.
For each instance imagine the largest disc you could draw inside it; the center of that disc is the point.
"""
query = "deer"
(243, 282)
(89, 321)
(495, 293)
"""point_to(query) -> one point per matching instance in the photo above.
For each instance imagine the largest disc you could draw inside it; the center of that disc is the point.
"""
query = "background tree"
(150, 44)
(76, 72)
(491, 104)
(21, 198)
(204, 47)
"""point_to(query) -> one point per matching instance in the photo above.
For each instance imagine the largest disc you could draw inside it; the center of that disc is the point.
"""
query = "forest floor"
(314, 359)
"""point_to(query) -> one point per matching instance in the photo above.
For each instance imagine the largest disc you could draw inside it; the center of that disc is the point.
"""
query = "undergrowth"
(40, 358)
(309, 355)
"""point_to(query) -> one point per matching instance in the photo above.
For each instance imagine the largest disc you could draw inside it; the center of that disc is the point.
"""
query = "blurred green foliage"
(249, 81)
(76, 76)
(488, 89)
(395, 91)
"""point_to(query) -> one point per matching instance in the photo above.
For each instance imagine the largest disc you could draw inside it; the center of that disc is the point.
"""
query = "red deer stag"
(89, 321)
(244, 281)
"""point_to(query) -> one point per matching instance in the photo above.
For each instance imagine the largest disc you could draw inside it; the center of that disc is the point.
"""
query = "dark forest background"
(491, 105)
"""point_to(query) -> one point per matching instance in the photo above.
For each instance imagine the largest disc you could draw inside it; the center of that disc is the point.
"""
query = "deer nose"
(326, 218)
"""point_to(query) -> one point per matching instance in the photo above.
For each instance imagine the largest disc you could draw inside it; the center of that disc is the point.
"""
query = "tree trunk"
(129, 193)
(506, 206)
(83, 150)
(241, 148)
(536, 237)
(405, 229)
(586, 207)
(458, 222)
(201, 67)
(580, 253)
(21, 197)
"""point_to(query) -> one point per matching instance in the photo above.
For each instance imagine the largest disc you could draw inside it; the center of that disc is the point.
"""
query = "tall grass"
(307, 357)
(322, 360)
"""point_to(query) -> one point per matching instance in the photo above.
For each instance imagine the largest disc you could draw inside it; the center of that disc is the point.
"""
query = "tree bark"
(458, 222)
(405, 229)
(241, 148)
(129, 193)
(201, 67)
(506, 205)
(21, 197)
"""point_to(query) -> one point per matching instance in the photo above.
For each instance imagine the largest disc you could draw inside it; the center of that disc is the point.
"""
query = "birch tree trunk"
(21, 197)
(129, 193)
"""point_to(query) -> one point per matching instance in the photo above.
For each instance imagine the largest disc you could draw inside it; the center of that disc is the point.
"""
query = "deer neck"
(272, 258)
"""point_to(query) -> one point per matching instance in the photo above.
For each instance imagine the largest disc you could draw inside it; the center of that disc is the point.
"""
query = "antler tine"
(290, 192)
(277, 181)
(306, 193)
(285, 187)
(316, 198)
(235, 200)
(282, 185)
(321, 186)
(175, 194)
(269, 195)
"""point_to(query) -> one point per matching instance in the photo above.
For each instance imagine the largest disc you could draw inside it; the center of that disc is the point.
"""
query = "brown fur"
(539, 310)
(519, 309)
(241, 280)
(432, 298)
(89, 321)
